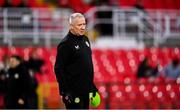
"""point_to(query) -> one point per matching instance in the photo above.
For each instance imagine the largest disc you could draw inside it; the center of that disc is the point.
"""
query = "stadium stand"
(119, 87)
(84, 6)
(40, 27)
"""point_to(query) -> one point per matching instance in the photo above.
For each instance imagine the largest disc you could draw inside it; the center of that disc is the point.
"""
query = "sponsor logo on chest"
(76, 47)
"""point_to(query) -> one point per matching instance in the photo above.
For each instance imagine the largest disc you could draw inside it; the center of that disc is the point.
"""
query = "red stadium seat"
(125, 3)
(170, 4)
(3, 51)
(115, 77)
(160, 4)
(149, 4)
(15, 2)
(2, 2)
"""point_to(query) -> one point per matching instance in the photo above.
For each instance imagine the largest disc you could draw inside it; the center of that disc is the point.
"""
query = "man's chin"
(81, 34)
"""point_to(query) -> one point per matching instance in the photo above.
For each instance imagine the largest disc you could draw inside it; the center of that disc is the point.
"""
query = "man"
(19, 85)
(172, 70)
(145, 70)
(74, 67)
(35, 63)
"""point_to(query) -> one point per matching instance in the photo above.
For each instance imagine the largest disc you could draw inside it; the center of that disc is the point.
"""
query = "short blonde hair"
(75, 15)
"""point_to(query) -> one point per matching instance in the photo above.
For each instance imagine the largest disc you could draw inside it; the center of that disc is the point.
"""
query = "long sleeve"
(74, 66)
(63, 53)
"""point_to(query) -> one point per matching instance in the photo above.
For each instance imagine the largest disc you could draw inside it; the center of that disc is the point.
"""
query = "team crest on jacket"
(87, 43)
(16, 76)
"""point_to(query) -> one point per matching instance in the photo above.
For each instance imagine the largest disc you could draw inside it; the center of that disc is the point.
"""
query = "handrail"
(49, 24)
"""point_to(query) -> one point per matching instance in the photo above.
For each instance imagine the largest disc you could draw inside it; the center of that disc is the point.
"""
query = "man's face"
(13, 62)
(78, 26)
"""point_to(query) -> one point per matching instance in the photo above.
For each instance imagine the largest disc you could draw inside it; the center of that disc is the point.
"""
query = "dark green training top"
(73, 66)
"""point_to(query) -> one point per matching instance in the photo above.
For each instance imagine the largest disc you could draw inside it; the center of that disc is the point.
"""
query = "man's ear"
(70, 26)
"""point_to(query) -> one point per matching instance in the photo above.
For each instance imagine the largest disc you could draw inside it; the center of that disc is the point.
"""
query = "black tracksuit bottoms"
(83, 103)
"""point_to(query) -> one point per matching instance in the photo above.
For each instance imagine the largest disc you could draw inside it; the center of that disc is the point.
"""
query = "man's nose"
(83, 27)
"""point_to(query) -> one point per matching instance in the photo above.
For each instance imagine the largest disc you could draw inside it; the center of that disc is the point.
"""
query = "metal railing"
(142, 24)
(43, 25)
(33, 24)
